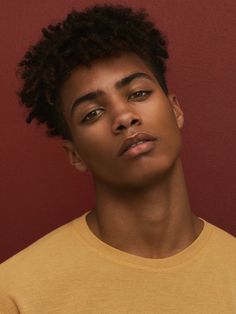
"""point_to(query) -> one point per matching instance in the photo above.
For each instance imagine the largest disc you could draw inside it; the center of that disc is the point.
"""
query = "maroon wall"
(40, 191)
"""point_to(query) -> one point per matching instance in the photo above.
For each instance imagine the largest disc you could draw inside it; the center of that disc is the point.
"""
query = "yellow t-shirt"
(71, 271)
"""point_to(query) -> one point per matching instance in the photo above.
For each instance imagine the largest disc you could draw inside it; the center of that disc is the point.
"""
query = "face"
(116, 103)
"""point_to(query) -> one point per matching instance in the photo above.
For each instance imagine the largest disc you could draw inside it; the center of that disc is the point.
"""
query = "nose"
(125, 119)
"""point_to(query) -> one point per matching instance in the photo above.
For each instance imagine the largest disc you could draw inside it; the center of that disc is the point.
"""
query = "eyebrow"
(120, 84)
(87, 97)
(128, 79)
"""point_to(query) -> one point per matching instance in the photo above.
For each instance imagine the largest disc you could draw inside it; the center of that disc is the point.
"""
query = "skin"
(142, 204)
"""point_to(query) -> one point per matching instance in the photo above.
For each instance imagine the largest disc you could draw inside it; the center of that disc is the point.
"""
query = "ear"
(74, 157)
(179, 115)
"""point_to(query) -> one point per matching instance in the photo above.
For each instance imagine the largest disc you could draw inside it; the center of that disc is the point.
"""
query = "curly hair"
(83, 37)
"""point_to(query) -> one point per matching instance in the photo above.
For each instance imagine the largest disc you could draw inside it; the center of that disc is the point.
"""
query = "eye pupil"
(140, 93)
(92, 114)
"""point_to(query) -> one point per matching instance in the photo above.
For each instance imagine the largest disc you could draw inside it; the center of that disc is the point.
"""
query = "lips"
(135, 139)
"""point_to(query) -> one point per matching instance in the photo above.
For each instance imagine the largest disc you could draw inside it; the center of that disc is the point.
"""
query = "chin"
(147, 174)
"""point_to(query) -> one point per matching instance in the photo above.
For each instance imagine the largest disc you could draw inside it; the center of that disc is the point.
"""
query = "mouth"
(137, 143)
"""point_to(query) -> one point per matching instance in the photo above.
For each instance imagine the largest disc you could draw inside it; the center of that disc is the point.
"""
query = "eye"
(140, 95)
(92, 115)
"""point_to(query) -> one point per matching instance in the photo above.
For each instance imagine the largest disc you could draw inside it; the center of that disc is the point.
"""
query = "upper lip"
(134, 139)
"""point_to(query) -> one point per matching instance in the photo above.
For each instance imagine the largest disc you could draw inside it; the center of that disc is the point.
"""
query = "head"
(108, 43)
(82, 38)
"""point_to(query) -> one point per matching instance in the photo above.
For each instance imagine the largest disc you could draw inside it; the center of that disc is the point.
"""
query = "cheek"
(160, 116)
(163, 123)
(92, 144)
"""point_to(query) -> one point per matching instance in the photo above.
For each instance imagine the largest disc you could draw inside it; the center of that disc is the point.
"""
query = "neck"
(155, 221)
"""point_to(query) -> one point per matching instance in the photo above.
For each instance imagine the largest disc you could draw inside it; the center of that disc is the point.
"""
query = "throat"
(147, 238)
(153, 221)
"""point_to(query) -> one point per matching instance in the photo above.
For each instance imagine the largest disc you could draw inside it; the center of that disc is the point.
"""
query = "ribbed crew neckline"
(92, 242)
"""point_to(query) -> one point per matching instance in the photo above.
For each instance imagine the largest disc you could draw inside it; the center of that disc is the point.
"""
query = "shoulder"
(7, 304)
(222, 235)
(222, 243)
(45, 258)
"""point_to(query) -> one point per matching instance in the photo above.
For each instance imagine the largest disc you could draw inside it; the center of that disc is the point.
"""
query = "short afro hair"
(101, 31)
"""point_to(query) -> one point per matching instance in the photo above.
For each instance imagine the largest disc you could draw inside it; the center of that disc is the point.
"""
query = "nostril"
(121, 127)
(134, 121)
(125, 121)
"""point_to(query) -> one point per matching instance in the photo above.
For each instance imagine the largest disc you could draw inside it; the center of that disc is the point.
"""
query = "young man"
(97, 80)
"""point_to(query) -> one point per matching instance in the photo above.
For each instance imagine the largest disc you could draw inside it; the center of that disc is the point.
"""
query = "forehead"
(102, 75)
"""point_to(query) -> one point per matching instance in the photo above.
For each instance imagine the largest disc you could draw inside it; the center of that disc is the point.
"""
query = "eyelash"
(87, 119)
(134, 96)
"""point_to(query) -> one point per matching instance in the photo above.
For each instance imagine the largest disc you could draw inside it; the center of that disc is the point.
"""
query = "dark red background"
(40, 190)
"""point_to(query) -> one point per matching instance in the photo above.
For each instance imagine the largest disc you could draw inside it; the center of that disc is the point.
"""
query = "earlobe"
(179, 115)
(74, 158)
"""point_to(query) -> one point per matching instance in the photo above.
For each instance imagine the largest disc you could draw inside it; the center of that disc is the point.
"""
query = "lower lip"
(139, 149)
